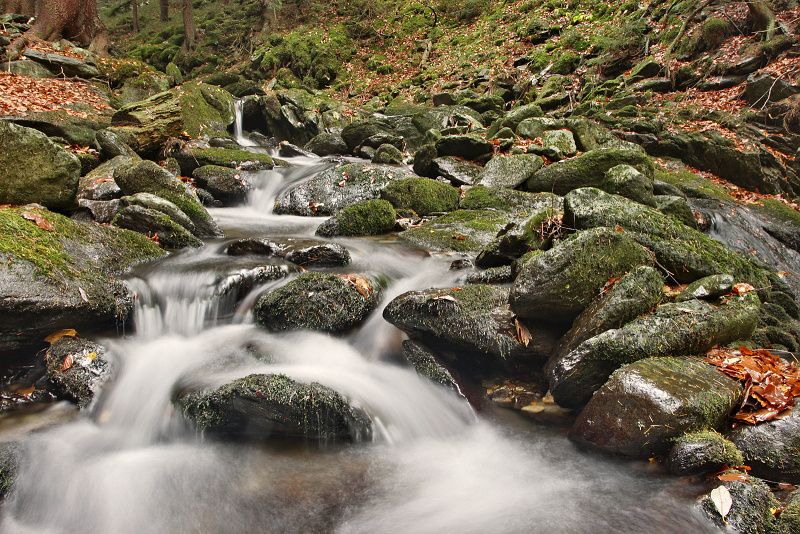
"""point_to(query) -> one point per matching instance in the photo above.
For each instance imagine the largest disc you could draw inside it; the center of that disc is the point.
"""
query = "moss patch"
(421, 195)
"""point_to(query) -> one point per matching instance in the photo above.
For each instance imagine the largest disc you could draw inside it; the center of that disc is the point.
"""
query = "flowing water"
(134, 466)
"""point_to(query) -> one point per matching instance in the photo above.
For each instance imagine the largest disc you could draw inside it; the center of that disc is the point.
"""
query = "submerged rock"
(671, 330)
(662, 398)
(317, 301)
(78, 369)
(265, 406)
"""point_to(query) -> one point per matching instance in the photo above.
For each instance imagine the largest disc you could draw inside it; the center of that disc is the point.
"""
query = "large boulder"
(227, 185)
(78, 369)
(587, 170)
(336, 188)
(458, 231)
(671, 330)
(266, 406)
(157, 225)
(474, 321)
(558, 284)
(64, 277)
(327, 144)
(148, 177)
(317, 301)
(61, 65)
(470, 146)
(99, 184)
(34, 169)
(509, 171)
(662, 399)
(421, 195)
(772, 448)
(682, 251)
(458, 170)
(194, 108)
(191, 157)
(369, 217)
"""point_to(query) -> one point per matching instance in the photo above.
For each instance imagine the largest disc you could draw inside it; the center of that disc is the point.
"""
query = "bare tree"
(189, 31)
(164, 4)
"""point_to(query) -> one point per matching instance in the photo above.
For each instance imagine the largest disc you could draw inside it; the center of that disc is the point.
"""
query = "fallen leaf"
(722, 500)
(91, 356)
(358, 282)
(83, 294)
(67, 332)
(37, 218)
(742, 288)
(27, 392)
(523, 334)
(445, 297)
(729, 477)
(68, 362)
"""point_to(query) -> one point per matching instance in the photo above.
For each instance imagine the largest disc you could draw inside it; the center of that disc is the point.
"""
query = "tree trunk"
(189, 32)
(76, 20)
(135, 9)
(21, 7)
(763, 18)
(164, 10)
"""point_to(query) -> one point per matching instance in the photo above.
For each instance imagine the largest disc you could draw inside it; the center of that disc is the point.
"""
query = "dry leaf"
(27, 392)
(729, 477)
(722, 500)
(445, 297)
(358, 282)
(37, 218)
(523, 334)
(91, 356)
(742, 288)
(68, 332)
(68, 362)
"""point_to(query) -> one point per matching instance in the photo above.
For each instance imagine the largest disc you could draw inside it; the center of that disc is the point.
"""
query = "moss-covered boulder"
(327, 144)
(752, 510)
(636, 293)
(62, 277)
(78, 369)
(557, 285)
(458, 231)
(686, 253)
(190, 159)
(514, 117)
(99, 184)
(421, 195)
(155, 224)
(701, 452)
(470, 146)
(336, 188)
(662, 398)
(710, 287)
(520, 205)
(111, 146)
(268, 406)
(626, 181)
(517, 239)
(150, 201)
(562, 141)
(317, 301)
(509, 171)
(388, 154)
(369, 217)
(34, 169)
(772, 448)
(11, 455)
(140, 88)
(587, 170)
(318, 255)
(195, 108)
(148, 177)
(426, 364)
(676, 207)
(671, 330)
(474, 321)
(227, 185)
(458, 170)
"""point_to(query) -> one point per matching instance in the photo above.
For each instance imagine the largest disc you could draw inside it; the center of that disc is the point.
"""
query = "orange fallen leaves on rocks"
(38, 219)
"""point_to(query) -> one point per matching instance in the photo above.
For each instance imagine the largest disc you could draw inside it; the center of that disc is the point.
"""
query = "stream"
(133, 465)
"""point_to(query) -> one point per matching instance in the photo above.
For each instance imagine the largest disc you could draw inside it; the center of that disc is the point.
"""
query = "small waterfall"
(238, 136)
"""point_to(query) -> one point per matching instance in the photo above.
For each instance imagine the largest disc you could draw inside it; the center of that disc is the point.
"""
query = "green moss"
(421, 195)
(229, 157)
(779, 210)
(370, 217)
(206, 110)
(719, 450)
(693, 185)
(459, 231)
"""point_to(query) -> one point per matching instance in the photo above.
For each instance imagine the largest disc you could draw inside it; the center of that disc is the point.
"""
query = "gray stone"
(470, 146)
(458, 171)
(509, 171)
(153, 202)
(628, 182)
(561, 140)
(676, 207)
(99, 184)
(30, 69)
(151, 222)
(772, 448)
(227, 185)
(327, 144)
(62, 65)
(710, 287)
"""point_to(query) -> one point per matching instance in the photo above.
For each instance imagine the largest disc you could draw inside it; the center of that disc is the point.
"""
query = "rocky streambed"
(336, 331)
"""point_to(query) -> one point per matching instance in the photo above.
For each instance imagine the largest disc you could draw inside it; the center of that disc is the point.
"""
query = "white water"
(135, 467)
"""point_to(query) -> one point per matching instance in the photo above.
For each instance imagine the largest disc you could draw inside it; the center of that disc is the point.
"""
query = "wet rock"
(516, 239)
(461, 230)
(470, 147)
(78, 369)
(686, 253)
(336, 188)
(327, 144)
(559, 283)
(710, 287)
(671, 330)
(509, 171)
(288, 150)
(101, 211)
(369, 217)
(663, 399)
(111, 146)
(626, 181)
(421, 195)
(586, 170)
(148, 177)
(751, 510)
(11, 456)
(65, 280)
(196, 108)
(261, 406)
(636, 293)
(676, 207)
(147, 200)
(55, 180)
(458, 171)
(62, 65)
(771, 448)
(475, 320)
(492, 275)
(701, 452)
(236, 285)
(789, 520)
(192, 158)
(425, 363)
(99, 184)
(322, 255)
(387, 154)
(152, 222)
(260, 246)
(316, 301)
(225, 184)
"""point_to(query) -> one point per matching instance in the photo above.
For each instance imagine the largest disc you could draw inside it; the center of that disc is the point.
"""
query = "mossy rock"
(710, 287)
(510, 171)
(686, 253)
(519, 204)
(426, 364)
(676, 207)
(317, 301)
(470, 146)
(701, 452)
(193, 158)
(626, 181)
(227, 185)
(268, 406)
(671, 330)
(458, 231)
(151, 222)
(421, 195)
(693, 185)
(64, 277)
(82, 380)
(752, 509)
(558, 284)
(663, 399)
(387, 154)
(369, 217)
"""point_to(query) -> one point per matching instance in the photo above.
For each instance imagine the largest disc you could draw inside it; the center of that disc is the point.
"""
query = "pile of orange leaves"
(770, 384)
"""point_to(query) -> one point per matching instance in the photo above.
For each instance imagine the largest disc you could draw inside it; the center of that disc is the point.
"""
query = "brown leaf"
(37, 218)
(729, 477)
(55, 336)
(67, 363)
(742, 288)
(523, 334)
(27, 392)
(358, 282)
